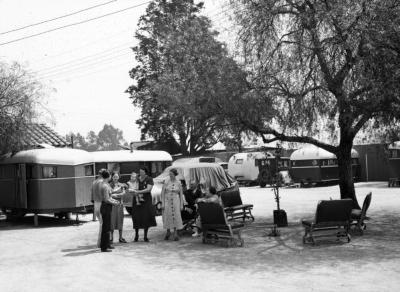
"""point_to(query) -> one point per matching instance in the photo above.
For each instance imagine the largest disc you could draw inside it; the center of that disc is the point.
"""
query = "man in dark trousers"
(105, 210)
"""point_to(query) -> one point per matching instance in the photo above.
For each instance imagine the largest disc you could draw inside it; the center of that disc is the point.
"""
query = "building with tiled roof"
(40, 134)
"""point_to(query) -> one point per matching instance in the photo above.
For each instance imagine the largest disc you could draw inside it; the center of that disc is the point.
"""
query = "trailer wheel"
(61, 215)
(263, 179)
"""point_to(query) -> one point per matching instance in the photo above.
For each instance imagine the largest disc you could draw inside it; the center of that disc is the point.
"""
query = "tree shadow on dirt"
(264, 253)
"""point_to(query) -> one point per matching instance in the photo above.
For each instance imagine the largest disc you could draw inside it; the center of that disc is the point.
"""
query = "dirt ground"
(61, 255)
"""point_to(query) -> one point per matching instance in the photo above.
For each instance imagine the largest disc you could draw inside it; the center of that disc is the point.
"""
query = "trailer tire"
(263, 179)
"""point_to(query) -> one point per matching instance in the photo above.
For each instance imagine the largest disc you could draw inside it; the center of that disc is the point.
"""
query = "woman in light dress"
(172, 202)
(117, 213)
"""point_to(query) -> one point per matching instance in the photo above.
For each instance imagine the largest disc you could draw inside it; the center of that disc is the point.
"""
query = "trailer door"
(21, 196)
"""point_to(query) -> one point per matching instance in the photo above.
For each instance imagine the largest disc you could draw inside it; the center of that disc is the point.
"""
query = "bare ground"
(61, 255)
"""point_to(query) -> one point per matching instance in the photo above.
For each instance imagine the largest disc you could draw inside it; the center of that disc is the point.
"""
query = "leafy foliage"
(19, 96)
(183, 73)
(321, 70)
(109, 138)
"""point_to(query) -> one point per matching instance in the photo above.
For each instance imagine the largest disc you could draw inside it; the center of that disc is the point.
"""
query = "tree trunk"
(182, 145)
(346, 183)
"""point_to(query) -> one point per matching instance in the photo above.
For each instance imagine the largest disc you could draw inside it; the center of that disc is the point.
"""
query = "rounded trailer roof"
(313, 152)
(127, 155)
(59, 156)
(394, 145)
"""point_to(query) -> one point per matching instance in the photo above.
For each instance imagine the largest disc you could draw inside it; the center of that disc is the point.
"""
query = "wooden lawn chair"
(216, 227)
(332, 218)
(359, 216)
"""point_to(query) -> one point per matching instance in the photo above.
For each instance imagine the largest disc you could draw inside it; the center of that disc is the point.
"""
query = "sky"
(84, 67)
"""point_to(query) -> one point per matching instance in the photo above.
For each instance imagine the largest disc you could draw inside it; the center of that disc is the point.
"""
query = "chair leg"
(250, 215)
(312, 239)
(204, 236)
(240, 238)
(305, 235)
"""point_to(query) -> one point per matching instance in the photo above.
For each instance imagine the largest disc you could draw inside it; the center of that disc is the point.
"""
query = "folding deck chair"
(332, 218)
(359, 216)
(234, 207)
(216, 227)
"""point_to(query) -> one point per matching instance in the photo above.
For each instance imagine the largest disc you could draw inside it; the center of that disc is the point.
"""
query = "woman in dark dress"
(143, 214)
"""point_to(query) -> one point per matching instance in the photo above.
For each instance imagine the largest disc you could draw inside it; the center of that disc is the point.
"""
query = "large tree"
(182, 72)
(19, 97)
(319, 67)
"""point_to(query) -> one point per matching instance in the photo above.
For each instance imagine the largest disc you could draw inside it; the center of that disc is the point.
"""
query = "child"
(133, 185)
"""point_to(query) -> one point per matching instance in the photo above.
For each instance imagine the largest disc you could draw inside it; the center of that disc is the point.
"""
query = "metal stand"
(274, 231)
(36, 220)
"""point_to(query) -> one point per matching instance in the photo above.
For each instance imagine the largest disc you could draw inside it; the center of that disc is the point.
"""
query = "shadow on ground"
(27, 222)
(265, 253)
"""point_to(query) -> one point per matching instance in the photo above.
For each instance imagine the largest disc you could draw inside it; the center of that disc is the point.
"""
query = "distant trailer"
(125, 162)
(394, 164)
(255, 167)
(310, 165)
(51, 180)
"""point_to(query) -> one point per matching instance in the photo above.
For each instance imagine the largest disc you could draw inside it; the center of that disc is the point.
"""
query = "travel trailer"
(311, 165)
(255, 167)
(48, 180)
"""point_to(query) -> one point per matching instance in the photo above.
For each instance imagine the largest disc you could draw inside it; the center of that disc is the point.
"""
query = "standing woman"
(143, 214)
(105, 210)
(117, 212)
(172, 204)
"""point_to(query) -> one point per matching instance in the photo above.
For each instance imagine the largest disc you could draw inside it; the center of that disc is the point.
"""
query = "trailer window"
(239, 161)
(113, 167)
(49, 171)
(89, 170)
(332, 162)
(394, 153)
(7, 171)
(207, 159)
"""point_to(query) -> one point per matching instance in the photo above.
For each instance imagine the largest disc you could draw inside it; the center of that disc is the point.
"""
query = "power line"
(56, 18)
(75, 23)
(57, 70)
(116, 49)
(84, 74)
(91, 64)
(107, 37)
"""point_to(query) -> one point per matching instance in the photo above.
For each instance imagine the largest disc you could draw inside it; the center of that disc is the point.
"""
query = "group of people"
(177, 204)
(108, 194)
